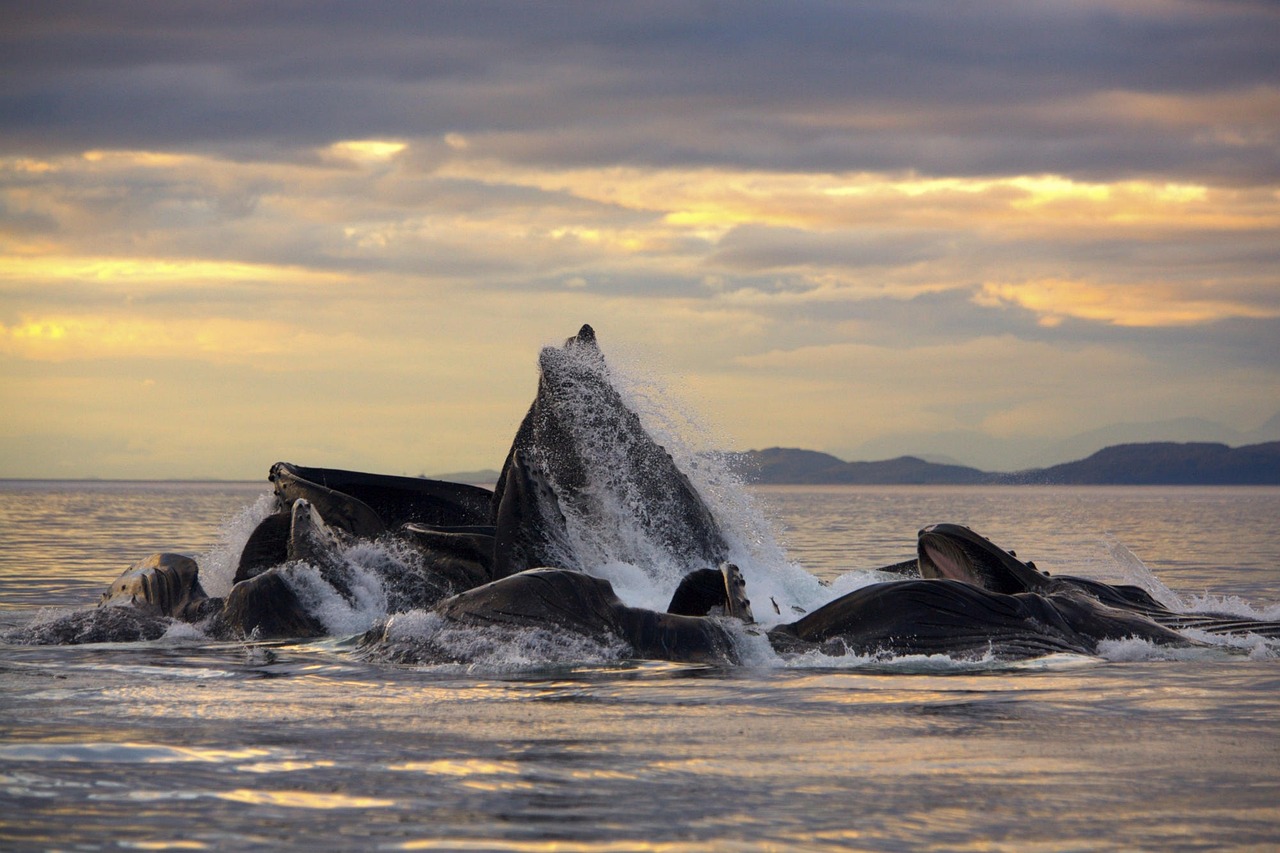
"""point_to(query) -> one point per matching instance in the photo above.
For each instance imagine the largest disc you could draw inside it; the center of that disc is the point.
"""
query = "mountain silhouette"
(1164, 463)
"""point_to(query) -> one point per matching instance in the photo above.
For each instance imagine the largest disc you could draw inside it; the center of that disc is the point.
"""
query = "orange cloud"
(1128, 304)
(710, 201)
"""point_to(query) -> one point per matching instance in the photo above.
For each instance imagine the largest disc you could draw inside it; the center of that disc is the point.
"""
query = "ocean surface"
(184, 743)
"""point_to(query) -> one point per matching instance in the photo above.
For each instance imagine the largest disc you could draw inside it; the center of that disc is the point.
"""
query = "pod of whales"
(583, 484)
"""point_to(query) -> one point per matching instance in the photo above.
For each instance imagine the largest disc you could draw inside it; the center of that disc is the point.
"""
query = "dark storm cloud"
(957, 88)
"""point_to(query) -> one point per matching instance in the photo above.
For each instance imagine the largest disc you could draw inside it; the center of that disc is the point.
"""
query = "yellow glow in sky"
(720, 199)
(61, 338)
(366, 150)
(142, 270)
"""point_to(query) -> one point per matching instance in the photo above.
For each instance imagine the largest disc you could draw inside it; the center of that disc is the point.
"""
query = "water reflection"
(227, 746)
(302, 799)
(470, 767)
(124, 753)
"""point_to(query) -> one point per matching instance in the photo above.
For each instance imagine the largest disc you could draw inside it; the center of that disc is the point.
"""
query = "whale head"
(955, 552)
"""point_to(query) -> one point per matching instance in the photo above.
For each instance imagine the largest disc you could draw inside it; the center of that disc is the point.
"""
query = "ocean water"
(190, 744)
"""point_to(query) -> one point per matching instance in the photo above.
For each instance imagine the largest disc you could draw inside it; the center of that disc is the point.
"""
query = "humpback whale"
(956, 552)
(570, 602)
(162, 585)
(142, 603)
(950, 617)
(368, 505)
(584, 485)
(908, 617)
(582, 442)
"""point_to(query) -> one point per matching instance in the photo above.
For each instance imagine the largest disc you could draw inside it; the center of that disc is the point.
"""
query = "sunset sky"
(338, 233)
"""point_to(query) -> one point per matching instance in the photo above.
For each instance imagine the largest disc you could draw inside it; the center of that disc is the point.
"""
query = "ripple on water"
(127, 753)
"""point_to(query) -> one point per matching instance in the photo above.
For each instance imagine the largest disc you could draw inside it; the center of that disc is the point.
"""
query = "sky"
(338, 233)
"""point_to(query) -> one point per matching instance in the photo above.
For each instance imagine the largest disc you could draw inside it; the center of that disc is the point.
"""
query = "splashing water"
(616, 523)
(490, 649)
(619, 534)
(218, 564)
(1130, 569)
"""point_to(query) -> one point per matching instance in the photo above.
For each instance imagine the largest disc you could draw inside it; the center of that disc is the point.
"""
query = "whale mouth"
(957, 553)
(940, 557)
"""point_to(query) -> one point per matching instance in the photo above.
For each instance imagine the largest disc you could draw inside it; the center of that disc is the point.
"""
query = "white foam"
(1229, 604)
(779, 589)
(633, 585)
(183, 632)
(1258, 647)
(339, 616)
(429, 640)
(920, 664)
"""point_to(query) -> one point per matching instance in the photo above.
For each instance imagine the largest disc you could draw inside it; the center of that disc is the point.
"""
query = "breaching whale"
(590, 459)
(585, 484)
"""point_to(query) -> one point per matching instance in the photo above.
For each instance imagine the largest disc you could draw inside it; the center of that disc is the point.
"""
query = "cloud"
(199, 223)
(1154, 305)
(1086, 88)
(833, 221)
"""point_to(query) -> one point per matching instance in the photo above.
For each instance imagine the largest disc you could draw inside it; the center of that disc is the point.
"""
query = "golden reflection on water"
(128, 753)
(482, 768)
(561, 846)
(469, 767)
(476, 774)
(302, 799)
(1036, 756)
(601, 774)
(283, 766)
(191, 753)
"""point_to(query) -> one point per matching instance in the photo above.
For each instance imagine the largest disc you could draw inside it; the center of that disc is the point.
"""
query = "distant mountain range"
(1009, 453)
(1159, 463)
(1152, 463)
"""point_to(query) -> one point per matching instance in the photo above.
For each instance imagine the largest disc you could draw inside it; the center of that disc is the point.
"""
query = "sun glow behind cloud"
(720, 199)
(159, 272)
(365, 151)
(66, 338)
